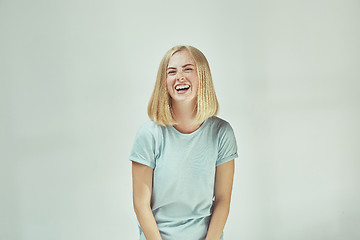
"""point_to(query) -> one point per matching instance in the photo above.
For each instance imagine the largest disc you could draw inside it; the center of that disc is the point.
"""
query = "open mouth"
(182, 88)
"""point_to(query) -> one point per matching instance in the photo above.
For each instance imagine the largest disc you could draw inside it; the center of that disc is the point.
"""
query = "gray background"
(76, 77)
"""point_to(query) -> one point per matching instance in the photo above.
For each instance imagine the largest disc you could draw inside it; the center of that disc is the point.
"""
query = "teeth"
(182, 87)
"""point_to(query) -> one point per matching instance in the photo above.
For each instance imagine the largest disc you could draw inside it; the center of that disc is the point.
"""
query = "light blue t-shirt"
(184, 174)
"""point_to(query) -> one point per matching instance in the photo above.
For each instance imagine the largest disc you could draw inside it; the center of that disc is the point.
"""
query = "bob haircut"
(160, 106)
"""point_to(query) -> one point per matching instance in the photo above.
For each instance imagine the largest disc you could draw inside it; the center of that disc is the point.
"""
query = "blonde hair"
(159, 107)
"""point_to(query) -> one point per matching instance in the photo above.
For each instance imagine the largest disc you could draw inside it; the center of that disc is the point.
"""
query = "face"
(182, 79)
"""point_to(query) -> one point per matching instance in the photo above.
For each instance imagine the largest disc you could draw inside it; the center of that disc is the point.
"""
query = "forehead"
(181, 58)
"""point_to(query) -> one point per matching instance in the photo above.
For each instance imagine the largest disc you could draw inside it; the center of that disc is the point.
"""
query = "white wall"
(76, 77)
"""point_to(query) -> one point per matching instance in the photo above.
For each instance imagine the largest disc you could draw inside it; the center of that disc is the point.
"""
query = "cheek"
(196, 83)
(169, 84)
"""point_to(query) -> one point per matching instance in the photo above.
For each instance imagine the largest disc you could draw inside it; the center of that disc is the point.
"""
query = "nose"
(180, 76)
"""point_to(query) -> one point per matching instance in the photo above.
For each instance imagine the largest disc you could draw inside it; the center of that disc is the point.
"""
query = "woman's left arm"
(223, 188)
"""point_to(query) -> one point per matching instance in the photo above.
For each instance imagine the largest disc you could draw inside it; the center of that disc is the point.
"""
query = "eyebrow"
(182, 66)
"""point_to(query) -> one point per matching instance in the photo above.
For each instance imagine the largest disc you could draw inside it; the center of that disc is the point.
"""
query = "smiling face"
(182, 80)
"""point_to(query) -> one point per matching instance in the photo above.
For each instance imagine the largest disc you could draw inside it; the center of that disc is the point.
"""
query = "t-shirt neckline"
(192, 133)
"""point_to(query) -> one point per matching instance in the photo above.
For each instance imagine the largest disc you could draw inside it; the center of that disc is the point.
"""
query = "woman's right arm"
(142, 176)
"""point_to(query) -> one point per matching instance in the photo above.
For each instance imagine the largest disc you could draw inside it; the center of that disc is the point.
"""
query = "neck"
(184, 113)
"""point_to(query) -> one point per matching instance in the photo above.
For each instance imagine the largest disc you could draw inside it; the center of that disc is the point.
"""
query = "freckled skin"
(181, 74)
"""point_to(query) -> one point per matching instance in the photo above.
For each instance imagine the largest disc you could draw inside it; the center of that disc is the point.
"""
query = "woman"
(183, 157)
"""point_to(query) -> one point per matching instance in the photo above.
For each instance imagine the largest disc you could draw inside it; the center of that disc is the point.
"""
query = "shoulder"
(221, 129)
(219, 124)
(150, 128)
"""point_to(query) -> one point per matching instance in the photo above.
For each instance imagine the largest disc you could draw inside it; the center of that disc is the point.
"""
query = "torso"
(187, 128)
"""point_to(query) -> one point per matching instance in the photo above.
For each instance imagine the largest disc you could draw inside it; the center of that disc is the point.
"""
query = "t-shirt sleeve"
(143, 150)
(227, 145)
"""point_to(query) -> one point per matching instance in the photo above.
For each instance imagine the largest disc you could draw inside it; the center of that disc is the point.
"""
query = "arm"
(142, 188)
(223, 187)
